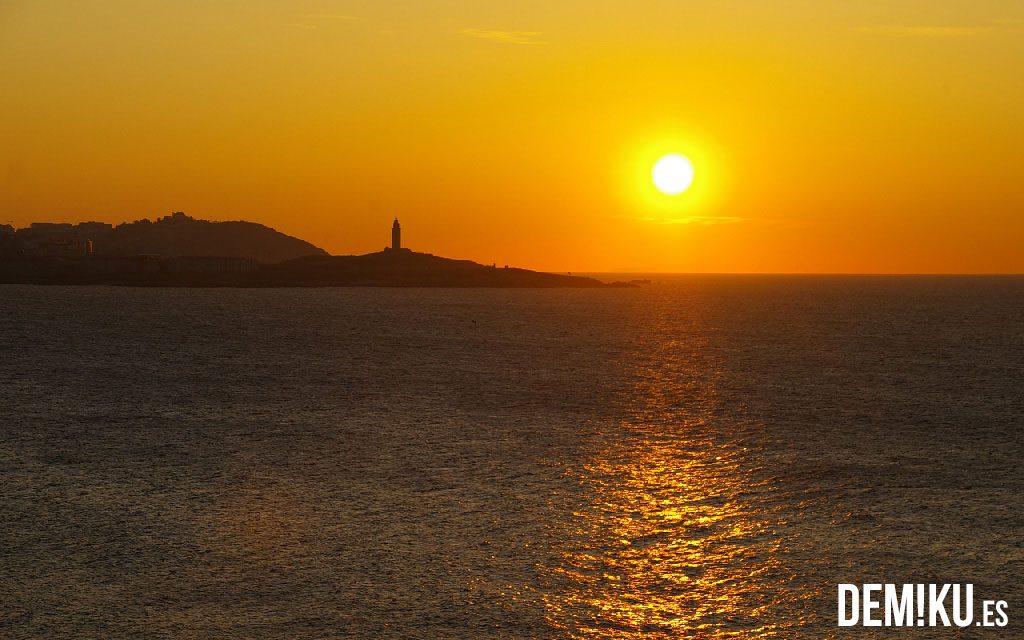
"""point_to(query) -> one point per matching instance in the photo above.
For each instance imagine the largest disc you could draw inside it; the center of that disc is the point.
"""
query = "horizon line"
(1010, 274)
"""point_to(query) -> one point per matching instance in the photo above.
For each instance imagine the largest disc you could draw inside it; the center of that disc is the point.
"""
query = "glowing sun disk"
(672, 174)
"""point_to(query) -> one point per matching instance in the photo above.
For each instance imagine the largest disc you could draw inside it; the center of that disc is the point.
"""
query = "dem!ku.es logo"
(917, 605)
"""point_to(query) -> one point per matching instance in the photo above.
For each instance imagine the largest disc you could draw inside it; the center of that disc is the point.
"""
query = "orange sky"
(827, 136)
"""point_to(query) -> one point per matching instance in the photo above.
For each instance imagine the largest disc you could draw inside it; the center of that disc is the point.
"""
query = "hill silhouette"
(181, 235)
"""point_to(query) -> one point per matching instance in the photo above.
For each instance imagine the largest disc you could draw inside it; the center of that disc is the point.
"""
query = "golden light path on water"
(678, 539)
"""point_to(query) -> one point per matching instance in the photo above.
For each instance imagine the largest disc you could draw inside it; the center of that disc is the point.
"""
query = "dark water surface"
(705, 457)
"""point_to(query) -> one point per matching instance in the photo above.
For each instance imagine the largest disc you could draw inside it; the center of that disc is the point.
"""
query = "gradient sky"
(852, 136)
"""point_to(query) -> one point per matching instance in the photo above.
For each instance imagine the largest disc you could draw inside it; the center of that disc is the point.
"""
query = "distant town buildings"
(54, 246)
(51, 240)
(176, 216)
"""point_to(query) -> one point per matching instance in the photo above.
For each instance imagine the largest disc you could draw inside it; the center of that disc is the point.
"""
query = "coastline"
(389, 268)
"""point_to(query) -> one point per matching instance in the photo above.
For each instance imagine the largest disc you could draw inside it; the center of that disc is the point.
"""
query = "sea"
(699, 457)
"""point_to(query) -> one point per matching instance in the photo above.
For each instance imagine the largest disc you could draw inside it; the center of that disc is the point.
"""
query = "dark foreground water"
(706, 457)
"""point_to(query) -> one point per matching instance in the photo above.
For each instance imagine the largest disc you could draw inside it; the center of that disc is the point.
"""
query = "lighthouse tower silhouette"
(396, 235)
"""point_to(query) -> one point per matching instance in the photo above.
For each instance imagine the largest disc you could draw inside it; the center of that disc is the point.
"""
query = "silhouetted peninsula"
(179, 251)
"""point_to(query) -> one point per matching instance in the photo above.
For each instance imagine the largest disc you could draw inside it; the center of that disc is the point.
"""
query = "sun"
(672, 174)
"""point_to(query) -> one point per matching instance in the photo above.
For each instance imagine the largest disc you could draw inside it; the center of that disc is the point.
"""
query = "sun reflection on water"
(678, 539)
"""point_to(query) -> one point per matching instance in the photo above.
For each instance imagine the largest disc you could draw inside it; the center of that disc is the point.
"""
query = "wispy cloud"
(330, 16)
(941, 31)
(902, 31)
(313, 21)
(701, 220)
(505, 37)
